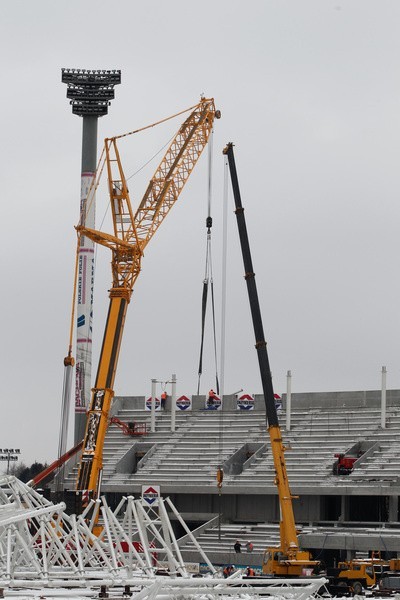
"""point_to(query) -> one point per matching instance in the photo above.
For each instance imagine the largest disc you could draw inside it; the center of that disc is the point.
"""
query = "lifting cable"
(208, 278)
(220, 470)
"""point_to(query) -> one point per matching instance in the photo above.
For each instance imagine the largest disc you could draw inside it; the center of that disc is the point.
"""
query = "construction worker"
(211, 398)
(164, 397)
(228, 571)
(250, 572)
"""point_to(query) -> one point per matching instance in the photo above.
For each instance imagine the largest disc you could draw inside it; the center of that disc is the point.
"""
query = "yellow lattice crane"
(131, 235)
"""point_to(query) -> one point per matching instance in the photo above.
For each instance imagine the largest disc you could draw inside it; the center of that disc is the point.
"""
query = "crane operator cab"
(301, 564)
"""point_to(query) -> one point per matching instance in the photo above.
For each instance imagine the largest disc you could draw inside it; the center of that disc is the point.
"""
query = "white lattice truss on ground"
(43, 547)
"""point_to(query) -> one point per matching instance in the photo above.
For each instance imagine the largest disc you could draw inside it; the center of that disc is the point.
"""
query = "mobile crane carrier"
(287, 559)
(132, 233)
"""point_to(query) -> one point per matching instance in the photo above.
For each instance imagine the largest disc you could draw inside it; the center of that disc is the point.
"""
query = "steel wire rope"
(86, 206)
(208, 278)
(150, 159)
(117, 137)
(210, 176)
(84, 209)
(91, 193)
(64, 416)
(101, 162)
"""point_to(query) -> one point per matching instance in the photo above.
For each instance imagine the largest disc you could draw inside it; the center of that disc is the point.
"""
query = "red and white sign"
(214, 403)
(184, 403)
(150, 495)
(278, 402)
(147, 404)
(245, 402)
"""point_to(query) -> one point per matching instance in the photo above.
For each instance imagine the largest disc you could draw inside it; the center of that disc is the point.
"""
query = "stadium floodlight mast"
(9, 454)
(90, 92)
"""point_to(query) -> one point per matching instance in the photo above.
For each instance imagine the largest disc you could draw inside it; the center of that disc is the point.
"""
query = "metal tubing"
(153, 406)
(186, 528)
(173, 401)
(288, 399)
(383, 399)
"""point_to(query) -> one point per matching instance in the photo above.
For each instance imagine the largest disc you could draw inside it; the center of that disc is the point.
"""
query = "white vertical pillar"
(84, 306)
(173, 401)
(288, 399)
(383, 398)
(153, 406)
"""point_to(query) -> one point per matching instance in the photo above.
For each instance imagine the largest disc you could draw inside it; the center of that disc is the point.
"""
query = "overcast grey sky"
(310, 94)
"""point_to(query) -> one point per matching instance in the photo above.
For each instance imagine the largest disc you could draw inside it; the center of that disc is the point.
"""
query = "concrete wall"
(352, 399)
(356, 399)
(247, 508)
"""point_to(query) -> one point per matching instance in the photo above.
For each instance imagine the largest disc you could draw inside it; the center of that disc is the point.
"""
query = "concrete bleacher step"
(202, 440)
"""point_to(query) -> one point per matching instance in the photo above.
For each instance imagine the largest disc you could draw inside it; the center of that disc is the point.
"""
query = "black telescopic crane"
(287, 559)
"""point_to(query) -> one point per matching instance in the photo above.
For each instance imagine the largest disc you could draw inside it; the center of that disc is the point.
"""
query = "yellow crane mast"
(132, 233)
(287, 559)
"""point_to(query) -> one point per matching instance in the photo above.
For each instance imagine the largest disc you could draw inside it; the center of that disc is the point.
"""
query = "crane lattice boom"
(131, 235)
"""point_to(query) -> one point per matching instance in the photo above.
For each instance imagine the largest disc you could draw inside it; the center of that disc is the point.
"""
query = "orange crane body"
(131, 235)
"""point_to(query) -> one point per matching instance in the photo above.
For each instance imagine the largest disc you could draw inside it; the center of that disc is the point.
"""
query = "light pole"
(9, 454)
(90, 92)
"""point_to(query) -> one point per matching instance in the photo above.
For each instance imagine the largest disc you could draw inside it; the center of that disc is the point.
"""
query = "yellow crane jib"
(131, 234)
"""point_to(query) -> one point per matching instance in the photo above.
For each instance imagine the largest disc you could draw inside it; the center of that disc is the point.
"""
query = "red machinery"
(51, 469)
(131, 428)
(344, 464)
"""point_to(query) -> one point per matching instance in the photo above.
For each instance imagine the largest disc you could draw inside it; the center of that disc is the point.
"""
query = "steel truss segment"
(52, 550)
(123, 220)
(174, 169)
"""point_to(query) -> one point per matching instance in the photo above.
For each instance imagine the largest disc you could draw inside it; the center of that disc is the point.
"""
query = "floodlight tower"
(90, 93)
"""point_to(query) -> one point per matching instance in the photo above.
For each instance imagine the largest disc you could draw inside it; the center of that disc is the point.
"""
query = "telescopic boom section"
(131, 235)
(289, 540)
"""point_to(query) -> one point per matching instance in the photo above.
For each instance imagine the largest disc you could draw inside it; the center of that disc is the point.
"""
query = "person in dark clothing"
(237, 546)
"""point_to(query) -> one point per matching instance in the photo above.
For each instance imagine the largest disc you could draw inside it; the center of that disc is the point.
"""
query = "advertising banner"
(147, 403)
(213, 403)
(84, 307)
(184, 403)
(150, 495)
(278, 402)
(245, 402)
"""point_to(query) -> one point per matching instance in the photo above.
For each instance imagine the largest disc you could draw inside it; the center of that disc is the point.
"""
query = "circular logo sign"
(214, 403)
(245, 402)
(183, 403)
(150, 495)
(157, 403)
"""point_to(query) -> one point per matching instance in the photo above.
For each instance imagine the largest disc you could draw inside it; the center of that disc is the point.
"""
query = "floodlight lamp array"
(90, 91)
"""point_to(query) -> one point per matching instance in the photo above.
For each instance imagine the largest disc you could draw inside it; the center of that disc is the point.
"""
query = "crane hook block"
(209, 222)
(69, 361)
